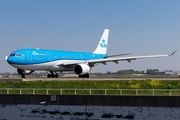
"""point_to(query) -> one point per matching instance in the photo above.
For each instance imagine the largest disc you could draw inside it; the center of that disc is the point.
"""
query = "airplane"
(28, 60)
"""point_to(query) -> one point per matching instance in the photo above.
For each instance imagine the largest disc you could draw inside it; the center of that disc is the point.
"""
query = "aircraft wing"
(115, 60)
(103, 61)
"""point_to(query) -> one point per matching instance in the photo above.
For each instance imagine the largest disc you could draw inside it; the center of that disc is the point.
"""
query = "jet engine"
(81, 69)
(24, 72)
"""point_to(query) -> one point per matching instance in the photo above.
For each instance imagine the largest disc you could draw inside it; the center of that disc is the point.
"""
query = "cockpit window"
(15, 55)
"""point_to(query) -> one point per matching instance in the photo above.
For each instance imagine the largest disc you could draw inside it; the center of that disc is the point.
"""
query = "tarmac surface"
(64, 79)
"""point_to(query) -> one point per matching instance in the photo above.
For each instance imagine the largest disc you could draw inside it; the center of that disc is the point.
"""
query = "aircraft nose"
(10, 60)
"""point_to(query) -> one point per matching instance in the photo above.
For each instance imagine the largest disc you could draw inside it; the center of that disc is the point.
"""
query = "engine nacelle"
(81, 69)
(24, 72)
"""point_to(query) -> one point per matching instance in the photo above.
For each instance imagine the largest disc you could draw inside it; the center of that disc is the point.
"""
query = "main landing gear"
(52, 75)
(84, 76)
(23, 76)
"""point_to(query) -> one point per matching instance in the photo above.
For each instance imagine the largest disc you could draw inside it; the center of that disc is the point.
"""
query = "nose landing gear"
(23, 73)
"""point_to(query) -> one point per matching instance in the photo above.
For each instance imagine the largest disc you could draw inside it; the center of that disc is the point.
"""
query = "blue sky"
(141, 27)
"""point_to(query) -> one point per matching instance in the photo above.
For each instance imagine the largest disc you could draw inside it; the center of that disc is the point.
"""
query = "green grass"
(108, 84)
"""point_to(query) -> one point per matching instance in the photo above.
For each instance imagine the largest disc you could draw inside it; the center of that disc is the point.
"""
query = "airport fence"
(91, 91)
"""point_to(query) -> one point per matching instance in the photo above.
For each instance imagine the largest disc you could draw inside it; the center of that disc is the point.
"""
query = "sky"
(140, 27)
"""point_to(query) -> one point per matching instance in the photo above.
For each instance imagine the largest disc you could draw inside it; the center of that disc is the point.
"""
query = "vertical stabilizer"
(102, 46)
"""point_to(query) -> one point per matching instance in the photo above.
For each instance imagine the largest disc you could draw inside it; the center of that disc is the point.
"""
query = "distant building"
(166, 72)
(143, 72)
(176, 71)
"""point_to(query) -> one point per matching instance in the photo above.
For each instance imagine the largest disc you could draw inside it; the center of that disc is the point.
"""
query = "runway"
(64, 79)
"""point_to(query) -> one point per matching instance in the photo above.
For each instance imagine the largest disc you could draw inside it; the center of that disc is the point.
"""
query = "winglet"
(172, 53)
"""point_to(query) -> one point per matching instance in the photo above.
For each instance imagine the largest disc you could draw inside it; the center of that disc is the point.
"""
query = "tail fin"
(102, 46)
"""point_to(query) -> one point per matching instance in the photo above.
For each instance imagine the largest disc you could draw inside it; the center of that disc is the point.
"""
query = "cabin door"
(29, 55)
(49, 56)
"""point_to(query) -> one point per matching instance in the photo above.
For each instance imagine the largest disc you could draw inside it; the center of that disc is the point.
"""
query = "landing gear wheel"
(52, 75)
(87, 75)
(23, 76)
(84, 76)
(48, 76)
(56, 75)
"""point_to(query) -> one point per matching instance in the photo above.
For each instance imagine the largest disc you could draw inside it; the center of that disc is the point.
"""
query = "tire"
(48, 76)
(56, 75)
(52, 76)
(23, 76)
(87, 75)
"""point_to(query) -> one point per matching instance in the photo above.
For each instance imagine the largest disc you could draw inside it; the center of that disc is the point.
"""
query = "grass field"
(130, 84)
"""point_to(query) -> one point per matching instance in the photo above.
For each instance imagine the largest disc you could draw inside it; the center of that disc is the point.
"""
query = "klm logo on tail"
(103, 45)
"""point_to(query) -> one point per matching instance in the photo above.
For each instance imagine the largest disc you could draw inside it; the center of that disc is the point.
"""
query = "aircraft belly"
(31, 67)
(49, 66)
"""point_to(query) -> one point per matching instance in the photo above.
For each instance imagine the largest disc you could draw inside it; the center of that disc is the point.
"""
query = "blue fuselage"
(39, 56)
